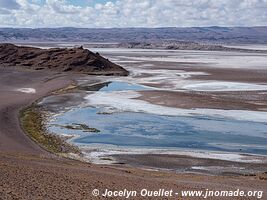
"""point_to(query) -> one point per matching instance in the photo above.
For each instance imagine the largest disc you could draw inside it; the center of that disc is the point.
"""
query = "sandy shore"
(12, 138)
(29, 172)
(185, 163)
(247, 100)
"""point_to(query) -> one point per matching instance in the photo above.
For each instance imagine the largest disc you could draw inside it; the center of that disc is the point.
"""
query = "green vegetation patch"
(82, 127)
(31, 120)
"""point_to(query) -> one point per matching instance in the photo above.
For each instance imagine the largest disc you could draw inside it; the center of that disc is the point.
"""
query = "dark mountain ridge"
(210, 35)
(58, 59)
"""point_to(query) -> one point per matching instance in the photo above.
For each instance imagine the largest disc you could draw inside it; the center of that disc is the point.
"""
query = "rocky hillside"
(58, 59)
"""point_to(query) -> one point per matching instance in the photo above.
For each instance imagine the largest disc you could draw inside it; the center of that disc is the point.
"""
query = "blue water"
(148, 130)
(129, 129)
(119, 86)
(114, 86)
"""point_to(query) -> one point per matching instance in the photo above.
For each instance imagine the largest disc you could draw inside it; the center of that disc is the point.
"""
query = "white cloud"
(134, 13)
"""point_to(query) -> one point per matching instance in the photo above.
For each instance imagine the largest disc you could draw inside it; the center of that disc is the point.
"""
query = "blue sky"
(132, 13)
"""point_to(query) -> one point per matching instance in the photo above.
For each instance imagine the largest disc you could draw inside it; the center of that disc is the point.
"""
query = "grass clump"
(31, 120)
(82, 127)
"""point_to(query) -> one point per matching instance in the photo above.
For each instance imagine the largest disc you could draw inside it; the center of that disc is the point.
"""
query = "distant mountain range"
(206, 35)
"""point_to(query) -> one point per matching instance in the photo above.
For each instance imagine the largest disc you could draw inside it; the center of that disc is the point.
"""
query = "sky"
(132, 13)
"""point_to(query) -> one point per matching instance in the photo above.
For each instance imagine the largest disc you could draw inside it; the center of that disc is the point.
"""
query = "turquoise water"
(119, 86)
(115, 86)
(130, 129)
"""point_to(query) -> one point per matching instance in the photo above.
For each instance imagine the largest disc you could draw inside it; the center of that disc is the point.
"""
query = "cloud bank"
(133, 13)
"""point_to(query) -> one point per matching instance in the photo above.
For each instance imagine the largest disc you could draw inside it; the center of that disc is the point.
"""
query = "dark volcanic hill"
(58, 59)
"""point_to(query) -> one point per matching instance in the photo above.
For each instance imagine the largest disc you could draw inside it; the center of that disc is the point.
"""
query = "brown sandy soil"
(183, 163)
(30, 177)
(236, 75)
(29, 172)
(243, 100)
(247, 100)
(12, 138)
(215, 73)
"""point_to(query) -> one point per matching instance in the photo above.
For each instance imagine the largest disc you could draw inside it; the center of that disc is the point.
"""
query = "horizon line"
(160, 27)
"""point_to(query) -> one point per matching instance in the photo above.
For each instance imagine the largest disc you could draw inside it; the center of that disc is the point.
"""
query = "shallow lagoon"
(121, 86)
(135, 130)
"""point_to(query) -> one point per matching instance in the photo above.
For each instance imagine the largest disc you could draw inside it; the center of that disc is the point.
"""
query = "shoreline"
(186, 161)
(61, 141)
(108, 156)
(51, 176)
(32, 122)
(26, 100)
